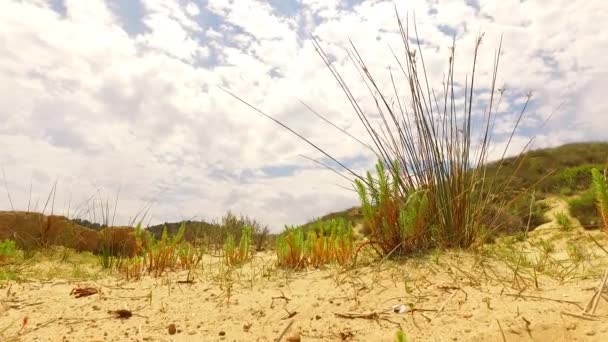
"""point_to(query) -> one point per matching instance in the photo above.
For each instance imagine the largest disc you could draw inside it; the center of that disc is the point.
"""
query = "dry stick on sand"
(504, 338)
(543, 298)
(285, 331)
(444, 304)
(595, 299)
(372, 314)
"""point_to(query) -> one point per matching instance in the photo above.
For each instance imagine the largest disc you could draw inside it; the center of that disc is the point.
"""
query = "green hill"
(563, 170)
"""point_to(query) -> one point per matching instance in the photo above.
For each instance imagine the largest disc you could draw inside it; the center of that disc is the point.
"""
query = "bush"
(583, 208)
(8, 250)
(432, 188)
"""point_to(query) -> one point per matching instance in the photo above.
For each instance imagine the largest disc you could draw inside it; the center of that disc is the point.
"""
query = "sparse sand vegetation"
(446, 246)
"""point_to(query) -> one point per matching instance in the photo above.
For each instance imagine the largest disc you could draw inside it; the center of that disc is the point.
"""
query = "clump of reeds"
(432, 188)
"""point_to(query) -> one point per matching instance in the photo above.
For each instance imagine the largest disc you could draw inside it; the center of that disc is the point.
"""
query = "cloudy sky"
(102, 95)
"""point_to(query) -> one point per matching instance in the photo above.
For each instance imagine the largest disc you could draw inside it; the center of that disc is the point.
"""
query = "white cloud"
(85, 102)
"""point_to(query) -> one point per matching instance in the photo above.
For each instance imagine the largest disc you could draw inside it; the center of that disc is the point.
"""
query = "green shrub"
(432, 186)
(8, 250)
(600, 190)
(564, 221)
(160, 255)
(397, 223)
(583, 208)
(291, 248)
(400, 336)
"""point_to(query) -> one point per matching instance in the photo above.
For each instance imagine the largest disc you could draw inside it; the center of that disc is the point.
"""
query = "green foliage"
(324, 242)
(583, 207)
(564, 221)
(398, 222)
(214, 235)
(8, 250)
(160, 255)
(600, 190)
(400, 336)
(291, 248)
(234, 256)
(550, 170)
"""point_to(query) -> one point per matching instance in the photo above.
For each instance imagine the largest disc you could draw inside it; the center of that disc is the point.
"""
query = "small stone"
(171, 329)
(222, 333)
(318, 317)
(294, 338)
(590, 333)
(571, 326)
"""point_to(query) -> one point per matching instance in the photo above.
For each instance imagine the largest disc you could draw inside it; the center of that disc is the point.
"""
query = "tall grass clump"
(236, 255)
(291, 249)
(160, 255)
(431, 188)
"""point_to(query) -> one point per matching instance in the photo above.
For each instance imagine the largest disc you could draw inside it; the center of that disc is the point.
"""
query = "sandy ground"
(453, 296)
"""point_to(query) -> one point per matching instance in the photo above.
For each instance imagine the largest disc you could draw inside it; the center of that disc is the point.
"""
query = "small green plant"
(575, 252)
(546, 246)
(400, 336)
(291, 248)
(234, 256)
(325, 242)
(398, 221)
(564, 221)
(8, 250)
(189, 256)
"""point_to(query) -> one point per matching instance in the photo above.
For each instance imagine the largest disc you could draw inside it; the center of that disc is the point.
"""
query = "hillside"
(562, 170)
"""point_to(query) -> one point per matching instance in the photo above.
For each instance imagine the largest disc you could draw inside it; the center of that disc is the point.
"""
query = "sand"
(448, 296)
(309, 303)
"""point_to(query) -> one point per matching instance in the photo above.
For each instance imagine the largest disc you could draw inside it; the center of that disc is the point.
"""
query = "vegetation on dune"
(214, 234)
(564, 170)
(590, 206)
(432, 187)
(559, 170)
(328, 242)
(600, 189)
(8, 249)
(233, 255)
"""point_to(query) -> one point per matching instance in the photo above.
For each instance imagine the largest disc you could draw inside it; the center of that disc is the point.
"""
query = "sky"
(107, 97)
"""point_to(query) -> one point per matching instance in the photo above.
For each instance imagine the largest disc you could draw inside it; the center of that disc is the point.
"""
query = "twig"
(544, 298)
(365, 315)
(588, 318)
(444, 304)
(599, 292)
(282, 296)
(597, 243)
(504, 338)
(285, 331)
